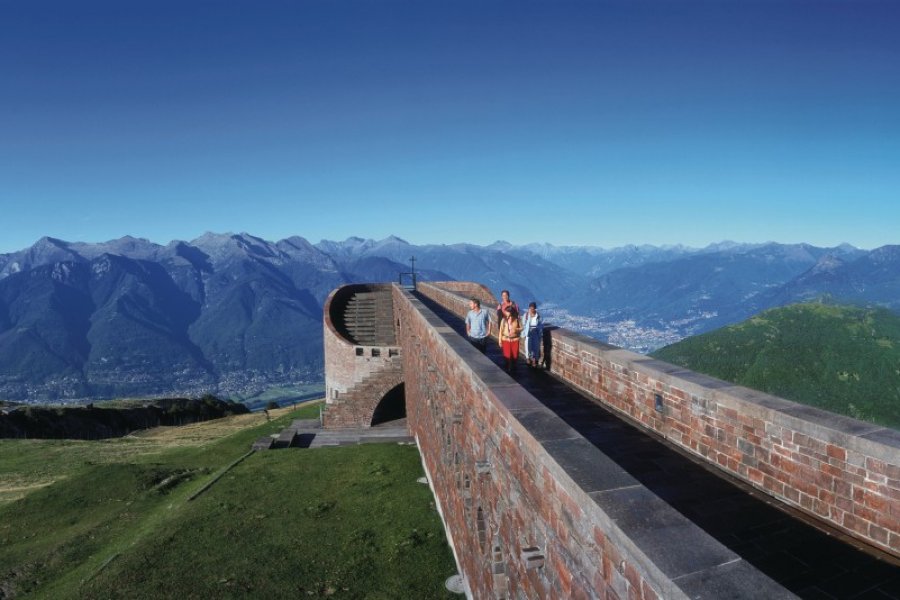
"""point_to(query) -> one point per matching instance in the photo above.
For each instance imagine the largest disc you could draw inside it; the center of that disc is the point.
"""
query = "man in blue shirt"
(478, 325)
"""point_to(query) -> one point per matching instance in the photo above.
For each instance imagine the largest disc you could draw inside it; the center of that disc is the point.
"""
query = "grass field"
(115, 518)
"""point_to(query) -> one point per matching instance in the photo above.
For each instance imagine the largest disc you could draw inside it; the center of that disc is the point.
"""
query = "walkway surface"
(803, 559)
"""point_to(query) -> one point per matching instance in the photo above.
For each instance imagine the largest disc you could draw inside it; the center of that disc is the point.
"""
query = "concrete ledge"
(544, 425)
(674, 544)
(589, 468)
(732, 580)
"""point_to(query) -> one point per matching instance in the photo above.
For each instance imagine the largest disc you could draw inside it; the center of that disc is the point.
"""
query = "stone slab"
(733, 580)
(588, 467)
(461, 345)
(677, 546)
(887, 437)
(823, 425)
(544, 425)
(515, 397)
(490, 373)
(263, 443)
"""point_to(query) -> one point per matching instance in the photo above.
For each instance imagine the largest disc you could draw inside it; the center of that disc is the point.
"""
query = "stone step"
(371, 324)
(263, 443)
(351, 324)
(351, 306)
(372, 329)
(381, 308)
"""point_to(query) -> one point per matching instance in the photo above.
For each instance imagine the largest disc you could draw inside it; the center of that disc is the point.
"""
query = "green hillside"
(841, 358)
(116, 518)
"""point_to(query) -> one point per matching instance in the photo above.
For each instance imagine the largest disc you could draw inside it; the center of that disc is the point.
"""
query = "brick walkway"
(805, 560)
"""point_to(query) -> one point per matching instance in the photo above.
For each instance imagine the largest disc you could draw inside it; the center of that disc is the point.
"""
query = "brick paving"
(802, 558)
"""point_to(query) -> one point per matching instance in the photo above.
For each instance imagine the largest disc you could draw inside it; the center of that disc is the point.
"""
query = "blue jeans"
(533, 346)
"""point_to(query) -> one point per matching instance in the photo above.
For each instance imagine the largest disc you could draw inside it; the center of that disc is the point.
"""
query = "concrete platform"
(308, 433)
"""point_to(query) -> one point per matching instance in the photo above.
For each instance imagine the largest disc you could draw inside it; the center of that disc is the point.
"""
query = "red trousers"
(511, 349)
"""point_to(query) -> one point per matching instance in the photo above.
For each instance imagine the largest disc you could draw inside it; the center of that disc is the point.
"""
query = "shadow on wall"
(548, 345)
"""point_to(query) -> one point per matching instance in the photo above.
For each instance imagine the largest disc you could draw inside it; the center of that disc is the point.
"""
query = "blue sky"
(601, 123)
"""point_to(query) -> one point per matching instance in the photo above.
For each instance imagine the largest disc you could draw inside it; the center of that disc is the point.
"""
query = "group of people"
(512, 328)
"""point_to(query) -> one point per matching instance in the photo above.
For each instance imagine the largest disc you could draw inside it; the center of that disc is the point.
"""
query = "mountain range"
(234, 313)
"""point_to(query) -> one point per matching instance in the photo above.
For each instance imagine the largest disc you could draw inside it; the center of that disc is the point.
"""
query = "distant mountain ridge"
(222, 313)
(700, 291)
(235, 313)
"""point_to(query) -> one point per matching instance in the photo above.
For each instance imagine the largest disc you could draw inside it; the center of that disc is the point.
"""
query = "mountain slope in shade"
(112, 325)
(844, 359)
(873, 278)
(227, 313)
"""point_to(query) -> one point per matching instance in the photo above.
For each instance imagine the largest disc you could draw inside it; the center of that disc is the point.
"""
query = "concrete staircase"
(369, 318)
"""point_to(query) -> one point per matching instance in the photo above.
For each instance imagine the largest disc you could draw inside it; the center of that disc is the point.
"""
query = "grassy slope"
(116, 521)
(840, 358)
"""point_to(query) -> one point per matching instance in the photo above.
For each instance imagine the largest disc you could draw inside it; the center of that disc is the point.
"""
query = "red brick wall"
(354, 383)
(467, 290)
(499, 492)
(844, 472)
(532, 509)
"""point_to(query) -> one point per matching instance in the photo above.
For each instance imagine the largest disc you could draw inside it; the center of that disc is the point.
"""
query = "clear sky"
(599, 123)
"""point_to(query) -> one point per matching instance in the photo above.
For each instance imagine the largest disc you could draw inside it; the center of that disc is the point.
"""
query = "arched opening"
(391, 408)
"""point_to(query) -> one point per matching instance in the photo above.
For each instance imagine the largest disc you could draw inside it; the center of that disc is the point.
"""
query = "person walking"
(533, 332)
(510, 330)
(504, 302)
(478, 325)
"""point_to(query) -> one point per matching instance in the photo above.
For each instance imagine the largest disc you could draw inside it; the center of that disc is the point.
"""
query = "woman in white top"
(533, 332)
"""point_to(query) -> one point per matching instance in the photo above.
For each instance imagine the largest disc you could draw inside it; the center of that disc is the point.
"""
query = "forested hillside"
(841, 358)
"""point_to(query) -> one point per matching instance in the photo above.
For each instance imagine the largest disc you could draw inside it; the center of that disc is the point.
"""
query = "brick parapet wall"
(843, 472)
(467, 290)
(533, 509)
(455, 296)
(351, 367)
